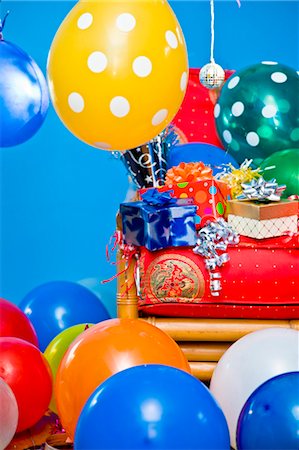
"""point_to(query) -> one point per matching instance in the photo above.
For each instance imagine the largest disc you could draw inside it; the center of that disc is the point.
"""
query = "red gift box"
(259, 281)
(210, 197)
(195, 120)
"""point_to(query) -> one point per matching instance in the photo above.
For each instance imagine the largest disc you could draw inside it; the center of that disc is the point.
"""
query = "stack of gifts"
(202, 240)
(195, 180)
(257, 210)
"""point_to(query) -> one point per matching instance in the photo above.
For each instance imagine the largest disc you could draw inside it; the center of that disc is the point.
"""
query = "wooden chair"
(203, 340)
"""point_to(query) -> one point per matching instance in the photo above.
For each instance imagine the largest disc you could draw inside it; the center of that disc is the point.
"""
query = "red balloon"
(15, 323)
(24, 368)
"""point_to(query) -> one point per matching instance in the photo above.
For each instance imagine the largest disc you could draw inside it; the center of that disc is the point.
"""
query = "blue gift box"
(159, 221)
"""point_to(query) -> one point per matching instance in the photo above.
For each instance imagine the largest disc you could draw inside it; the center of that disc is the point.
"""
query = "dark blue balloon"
(151, 407)
(197, 151)
(52, 307)
(24, 97)
(270, 416)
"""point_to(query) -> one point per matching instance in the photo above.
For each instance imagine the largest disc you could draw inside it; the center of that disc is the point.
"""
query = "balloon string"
(2, 23)
(212, 31)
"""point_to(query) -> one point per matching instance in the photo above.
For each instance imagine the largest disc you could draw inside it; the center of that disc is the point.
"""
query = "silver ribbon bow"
(212, 242)
(261, 190)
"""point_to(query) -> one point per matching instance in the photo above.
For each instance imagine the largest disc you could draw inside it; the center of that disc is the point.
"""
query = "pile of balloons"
(124, 383)
(124, 375)
(26, 373)
(256, 383)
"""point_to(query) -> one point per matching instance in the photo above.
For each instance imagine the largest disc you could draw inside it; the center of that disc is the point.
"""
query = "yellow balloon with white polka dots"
(118, 71)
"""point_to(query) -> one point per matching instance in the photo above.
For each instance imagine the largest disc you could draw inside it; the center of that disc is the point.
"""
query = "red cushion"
(260, 280)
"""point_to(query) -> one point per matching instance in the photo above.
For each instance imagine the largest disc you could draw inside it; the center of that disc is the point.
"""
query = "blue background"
(59, 197)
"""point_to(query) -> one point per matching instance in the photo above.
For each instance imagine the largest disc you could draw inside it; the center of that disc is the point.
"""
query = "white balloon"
(9, 414)
(249, 362)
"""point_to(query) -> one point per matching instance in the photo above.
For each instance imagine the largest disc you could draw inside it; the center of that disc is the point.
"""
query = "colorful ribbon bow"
(188, 172)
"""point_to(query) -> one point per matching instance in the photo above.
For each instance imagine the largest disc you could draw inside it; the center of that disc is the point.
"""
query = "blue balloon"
(270, 417)
(24, 97)
(197, 151)
(151, 407)
(52, 307)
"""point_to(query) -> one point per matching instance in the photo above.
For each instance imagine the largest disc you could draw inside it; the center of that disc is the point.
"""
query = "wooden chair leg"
(127, 301)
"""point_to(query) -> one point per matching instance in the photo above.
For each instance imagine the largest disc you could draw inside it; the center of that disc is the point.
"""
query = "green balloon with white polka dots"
(257, 112)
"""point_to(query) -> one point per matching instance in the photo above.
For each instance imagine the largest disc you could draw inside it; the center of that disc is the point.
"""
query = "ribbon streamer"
(129, 252)
(212, 243)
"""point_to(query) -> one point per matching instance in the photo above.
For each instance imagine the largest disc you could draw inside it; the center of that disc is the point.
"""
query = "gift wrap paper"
(263, 220)
(259, 281)
(261, 229)
(210, 197)
(158, 227)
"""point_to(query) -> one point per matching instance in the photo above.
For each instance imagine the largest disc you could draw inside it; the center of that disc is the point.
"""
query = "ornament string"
(212, 60)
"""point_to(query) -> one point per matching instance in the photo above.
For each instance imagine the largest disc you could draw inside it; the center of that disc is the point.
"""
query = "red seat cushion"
(259, 281)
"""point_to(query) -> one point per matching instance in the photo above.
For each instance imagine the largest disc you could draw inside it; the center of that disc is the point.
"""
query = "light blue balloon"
(24, 98)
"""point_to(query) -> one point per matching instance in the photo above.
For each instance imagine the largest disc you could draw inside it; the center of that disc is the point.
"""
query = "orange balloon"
(103, 350)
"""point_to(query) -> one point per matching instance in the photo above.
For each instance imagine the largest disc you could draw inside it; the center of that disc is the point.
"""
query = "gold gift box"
(262, 211)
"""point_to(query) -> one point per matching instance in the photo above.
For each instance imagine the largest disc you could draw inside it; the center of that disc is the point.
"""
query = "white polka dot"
(217, 110)
(227, 136)
(279, 77)
(85, 21)
(269, 63)
(184, 80)
(238, 109)
(97, 62)
(171, 39)
(233, 82)
(102, 145)
(269, 111)
(142, 66)
(119, 106)
(76, 102)
(159, 117)
(252, 139)
(125, 22)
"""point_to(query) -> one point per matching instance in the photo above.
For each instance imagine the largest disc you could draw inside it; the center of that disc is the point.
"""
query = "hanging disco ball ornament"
(212, 75)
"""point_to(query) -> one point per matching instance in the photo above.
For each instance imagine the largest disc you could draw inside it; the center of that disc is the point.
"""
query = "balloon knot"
(2, 23)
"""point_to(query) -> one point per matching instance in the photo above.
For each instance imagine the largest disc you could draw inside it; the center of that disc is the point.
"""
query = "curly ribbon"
(188, 172)
(57, 427)
(261, 190)
(293, 197)
(129, 252)
(212, 242)
(155, 198)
